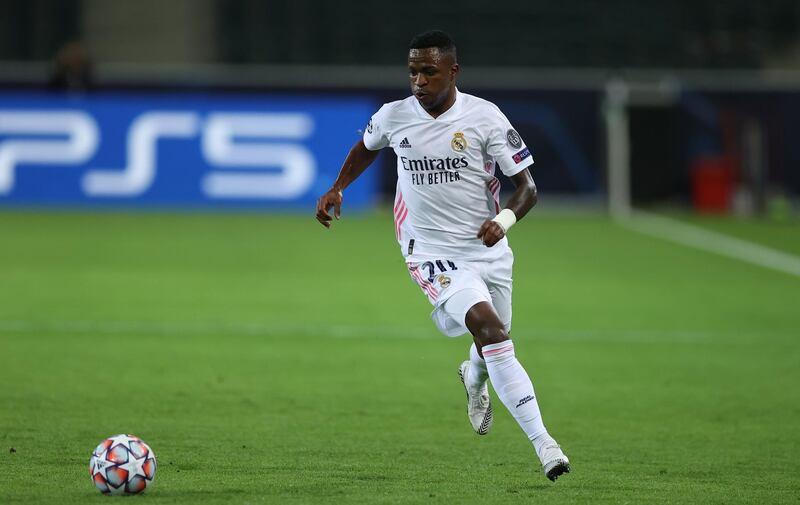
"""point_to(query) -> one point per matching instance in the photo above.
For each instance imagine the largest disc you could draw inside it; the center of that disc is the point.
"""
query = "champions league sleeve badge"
(459, 142)
(369, 126)
(514, 140)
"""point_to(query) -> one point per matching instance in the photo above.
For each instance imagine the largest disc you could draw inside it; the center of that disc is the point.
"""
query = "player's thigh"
(498, 275)
(452, 287)
(452, 316)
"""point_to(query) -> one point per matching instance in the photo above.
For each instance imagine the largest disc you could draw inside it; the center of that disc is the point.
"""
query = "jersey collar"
(451, 112)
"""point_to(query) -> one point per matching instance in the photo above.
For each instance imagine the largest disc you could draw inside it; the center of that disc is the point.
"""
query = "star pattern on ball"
(134, 466)
(123, 440)
(118, 461)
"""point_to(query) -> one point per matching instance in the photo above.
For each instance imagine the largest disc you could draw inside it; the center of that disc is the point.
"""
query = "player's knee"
(491, 334)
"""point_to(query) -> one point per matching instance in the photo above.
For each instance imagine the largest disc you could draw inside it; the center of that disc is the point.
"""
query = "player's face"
(433, 77)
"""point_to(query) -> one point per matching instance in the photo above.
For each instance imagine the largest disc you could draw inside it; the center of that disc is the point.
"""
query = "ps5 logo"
(264, 149)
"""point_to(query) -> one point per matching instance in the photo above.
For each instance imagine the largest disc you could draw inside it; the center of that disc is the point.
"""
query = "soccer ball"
(122, 464)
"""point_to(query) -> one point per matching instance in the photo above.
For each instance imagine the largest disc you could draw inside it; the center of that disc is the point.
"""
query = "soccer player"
(451, 227)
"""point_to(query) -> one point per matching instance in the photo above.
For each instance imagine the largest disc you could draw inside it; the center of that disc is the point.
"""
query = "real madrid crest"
(444, 280)
(459, 142)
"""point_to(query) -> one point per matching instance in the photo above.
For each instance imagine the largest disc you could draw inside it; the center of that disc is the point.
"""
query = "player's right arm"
(354, 165)
(360, 157)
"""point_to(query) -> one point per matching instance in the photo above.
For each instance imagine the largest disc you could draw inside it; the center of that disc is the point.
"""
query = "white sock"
(514, 387)
(478, 374)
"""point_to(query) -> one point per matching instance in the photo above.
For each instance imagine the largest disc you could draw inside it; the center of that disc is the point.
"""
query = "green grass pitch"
(267, 360)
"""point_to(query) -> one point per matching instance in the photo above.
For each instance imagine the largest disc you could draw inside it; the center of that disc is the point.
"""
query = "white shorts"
(453, 286)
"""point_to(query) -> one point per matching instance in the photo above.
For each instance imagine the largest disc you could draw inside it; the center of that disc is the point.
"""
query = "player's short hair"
(434, 38)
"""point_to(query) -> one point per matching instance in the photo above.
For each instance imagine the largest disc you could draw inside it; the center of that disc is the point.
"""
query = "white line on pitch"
(711, 241)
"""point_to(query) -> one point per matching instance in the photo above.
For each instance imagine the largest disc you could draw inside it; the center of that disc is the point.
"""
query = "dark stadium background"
(700, 73)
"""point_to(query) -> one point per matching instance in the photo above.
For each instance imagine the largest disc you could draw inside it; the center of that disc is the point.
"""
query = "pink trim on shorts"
(426, 286)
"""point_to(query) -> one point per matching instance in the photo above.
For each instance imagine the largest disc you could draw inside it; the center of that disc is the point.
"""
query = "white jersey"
(446, 186)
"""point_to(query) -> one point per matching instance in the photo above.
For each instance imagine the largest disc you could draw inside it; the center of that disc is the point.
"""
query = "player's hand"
(491, 233)
(330, 200)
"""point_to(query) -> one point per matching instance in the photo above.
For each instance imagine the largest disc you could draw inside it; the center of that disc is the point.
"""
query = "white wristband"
(505, 219)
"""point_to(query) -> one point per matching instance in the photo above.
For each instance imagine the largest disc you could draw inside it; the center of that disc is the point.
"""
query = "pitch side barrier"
(232, 149)
(625, 137)
(169, 150)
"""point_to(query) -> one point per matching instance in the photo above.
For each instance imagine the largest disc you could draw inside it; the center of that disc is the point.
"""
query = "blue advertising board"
(178, 150)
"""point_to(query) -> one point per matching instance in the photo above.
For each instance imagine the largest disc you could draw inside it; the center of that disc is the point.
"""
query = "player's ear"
(454, 69)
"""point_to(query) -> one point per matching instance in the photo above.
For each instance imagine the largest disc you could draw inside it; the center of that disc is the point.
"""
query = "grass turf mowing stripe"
(8, 329)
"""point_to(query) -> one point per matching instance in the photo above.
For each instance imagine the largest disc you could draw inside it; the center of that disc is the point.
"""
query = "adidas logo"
(405, 143)
(524, 401)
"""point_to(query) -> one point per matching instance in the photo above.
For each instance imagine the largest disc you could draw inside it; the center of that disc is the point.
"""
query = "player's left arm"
(523, 200)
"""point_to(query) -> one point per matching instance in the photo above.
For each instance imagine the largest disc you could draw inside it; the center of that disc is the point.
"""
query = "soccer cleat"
(479, 407)
(554, 461)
